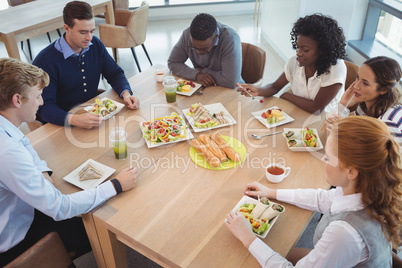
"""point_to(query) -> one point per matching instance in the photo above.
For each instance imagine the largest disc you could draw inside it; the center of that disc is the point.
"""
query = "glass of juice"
(170, 85)
(118, 139)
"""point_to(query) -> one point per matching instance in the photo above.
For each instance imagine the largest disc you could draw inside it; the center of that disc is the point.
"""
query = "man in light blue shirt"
(30, 206)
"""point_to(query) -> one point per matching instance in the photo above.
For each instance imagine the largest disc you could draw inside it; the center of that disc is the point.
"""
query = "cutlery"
(200, 92)
(259, 137)
(254, 98)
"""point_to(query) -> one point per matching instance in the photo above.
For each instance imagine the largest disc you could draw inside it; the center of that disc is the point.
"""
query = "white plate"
(287, 119)
(189, 136)
(249, 200)
(73, 177)
(303, 149)
(192, 90)
(118, 104)
(212, 108)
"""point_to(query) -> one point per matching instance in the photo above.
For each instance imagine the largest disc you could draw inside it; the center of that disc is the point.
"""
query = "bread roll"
(212, 160)
(213, 147)
(225, 147)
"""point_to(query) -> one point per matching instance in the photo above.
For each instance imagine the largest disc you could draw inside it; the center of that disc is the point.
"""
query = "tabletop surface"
(176, 212)
(34, 13)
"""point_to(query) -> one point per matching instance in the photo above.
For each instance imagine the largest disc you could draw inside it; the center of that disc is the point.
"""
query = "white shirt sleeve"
(23, 178)
(340, 246)
(316, 200)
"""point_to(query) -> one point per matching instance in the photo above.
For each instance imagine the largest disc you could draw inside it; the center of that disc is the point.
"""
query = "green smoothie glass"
(170, 85)
(118, 139)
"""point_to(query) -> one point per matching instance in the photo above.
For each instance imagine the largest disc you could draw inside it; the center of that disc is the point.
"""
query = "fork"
(200, 92)
(254, 98)
(259, 137)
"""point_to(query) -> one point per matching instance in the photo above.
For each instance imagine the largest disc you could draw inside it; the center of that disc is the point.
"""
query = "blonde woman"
(362, 215)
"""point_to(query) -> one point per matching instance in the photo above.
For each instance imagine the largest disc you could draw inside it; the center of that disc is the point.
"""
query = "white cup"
(280, 172)
(160, 74)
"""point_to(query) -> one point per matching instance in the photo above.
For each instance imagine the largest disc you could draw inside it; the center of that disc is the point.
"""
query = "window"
(382, 35)
(389, 32)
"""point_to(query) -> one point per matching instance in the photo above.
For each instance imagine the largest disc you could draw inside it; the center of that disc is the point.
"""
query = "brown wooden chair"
(49, 252)
(253, 64)
(396, 261)
(130, 31)
(351, 73)
(13, 3)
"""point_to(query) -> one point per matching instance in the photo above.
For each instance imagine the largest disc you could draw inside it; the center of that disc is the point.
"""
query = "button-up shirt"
(340, 245)
(23, 188)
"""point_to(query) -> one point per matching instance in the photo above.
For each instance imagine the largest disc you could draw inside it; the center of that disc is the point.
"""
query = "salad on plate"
(164, 129)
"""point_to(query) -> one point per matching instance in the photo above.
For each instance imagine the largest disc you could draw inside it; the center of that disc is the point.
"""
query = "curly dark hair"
(203, 26)
(329, 36)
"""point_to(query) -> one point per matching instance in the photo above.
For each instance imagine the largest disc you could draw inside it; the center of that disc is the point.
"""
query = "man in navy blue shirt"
(75, 63)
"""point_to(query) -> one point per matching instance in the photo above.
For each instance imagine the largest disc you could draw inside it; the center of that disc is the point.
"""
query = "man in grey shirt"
(213, 48)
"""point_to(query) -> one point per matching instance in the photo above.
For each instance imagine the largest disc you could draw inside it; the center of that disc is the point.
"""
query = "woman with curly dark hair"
(362, 215)
(317, 72)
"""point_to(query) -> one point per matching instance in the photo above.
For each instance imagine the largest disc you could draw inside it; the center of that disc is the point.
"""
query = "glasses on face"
(203, 50)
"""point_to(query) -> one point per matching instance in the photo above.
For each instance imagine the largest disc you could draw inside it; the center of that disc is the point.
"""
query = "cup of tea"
(160, 74)
(275, 173)
(118, 139)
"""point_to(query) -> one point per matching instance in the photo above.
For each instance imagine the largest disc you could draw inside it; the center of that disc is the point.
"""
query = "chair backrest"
(351, 72)
(253, 63)
(396, 261)
(138, 22)
(49, 252)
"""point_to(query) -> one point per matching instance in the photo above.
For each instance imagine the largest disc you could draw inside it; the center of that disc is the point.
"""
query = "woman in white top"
(361, 216)
(376, 91)
(317, 72)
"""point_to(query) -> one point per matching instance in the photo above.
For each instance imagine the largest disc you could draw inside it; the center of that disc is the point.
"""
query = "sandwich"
(90, 172)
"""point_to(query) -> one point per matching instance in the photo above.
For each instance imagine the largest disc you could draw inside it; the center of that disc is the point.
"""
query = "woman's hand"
(246, 87)
(240, 228)
(331, 120)
(349, 93)
(256, 189)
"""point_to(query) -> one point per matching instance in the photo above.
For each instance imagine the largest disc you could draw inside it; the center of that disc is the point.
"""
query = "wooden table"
(175, 214)
(38, 17)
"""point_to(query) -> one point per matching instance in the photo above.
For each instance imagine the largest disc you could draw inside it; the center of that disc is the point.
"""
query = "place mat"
(235, 144)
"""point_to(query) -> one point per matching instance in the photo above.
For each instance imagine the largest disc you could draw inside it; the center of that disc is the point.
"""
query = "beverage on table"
(118, 138)
(170, 85)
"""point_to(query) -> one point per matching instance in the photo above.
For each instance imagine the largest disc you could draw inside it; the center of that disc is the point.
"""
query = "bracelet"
(117, 186)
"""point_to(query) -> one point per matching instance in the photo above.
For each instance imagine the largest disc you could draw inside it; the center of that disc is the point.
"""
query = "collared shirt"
(392, 118)
(23, 188)
(217, 38)
(296, 76)
(62, 46)
(340, 245)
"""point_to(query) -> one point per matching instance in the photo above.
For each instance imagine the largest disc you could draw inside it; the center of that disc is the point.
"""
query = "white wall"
(278, 18)
(185, 12)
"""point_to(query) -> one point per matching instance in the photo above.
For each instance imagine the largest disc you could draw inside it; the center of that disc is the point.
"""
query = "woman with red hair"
(362, 215)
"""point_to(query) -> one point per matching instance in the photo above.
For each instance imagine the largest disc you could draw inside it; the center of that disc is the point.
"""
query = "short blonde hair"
(16, 76)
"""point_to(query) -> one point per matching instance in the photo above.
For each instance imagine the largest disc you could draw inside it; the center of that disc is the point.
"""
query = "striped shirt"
(392, 118)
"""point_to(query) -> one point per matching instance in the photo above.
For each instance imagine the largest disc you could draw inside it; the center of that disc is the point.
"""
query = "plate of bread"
(89, 174)
(217, 152)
